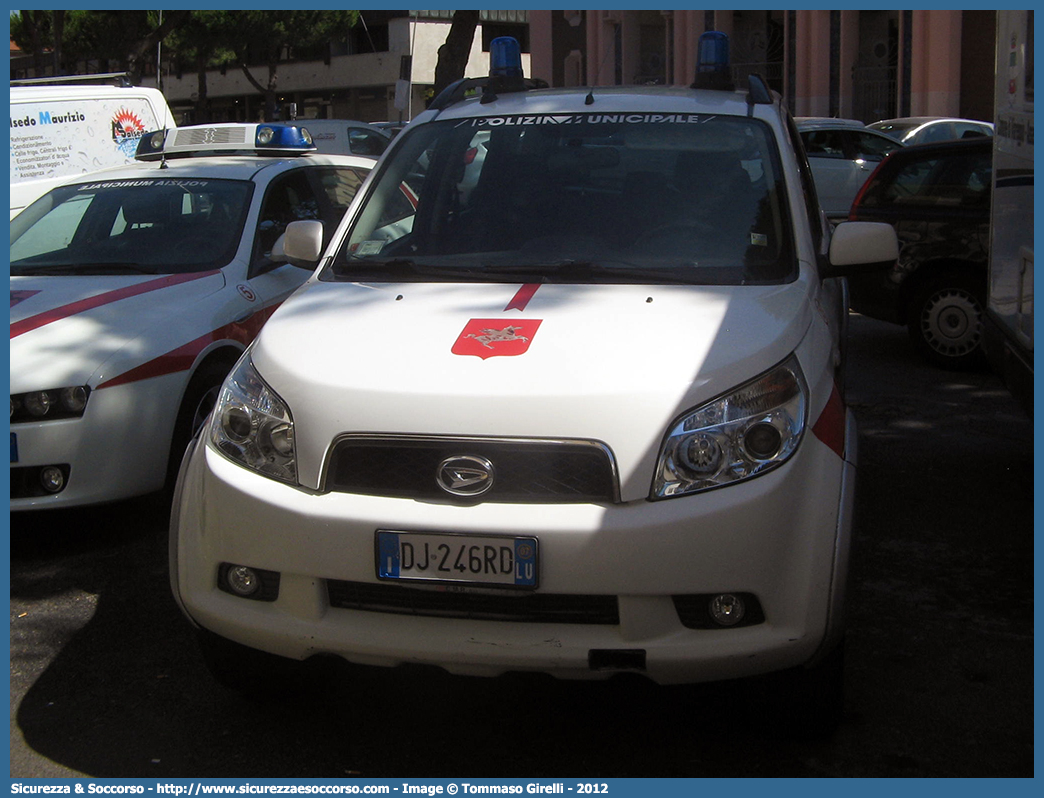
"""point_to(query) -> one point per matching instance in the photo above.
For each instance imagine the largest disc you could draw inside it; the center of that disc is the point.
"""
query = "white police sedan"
(135, 289)
(577, 410)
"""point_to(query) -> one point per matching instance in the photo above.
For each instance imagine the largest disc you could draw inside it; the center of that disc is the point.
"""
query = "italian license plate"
(460, 558)
(14, 447)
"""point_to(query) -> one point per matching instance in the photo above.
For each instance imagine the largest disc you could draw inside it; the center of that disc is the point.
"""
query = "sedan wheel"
(200, 397)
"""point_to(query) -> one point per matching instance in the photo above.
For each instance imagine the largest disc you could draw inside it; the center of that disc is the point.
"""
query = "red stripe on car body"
(182, 358)
(830, 426)
(522, 297)
(83, 305)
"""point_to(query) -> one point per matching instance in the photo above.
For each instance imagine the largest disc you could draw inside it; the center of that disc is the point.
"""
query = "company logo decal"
(21, 296)
(486, 338)
(579, 119)
(246, 292)
(127, 128)
(465, 475)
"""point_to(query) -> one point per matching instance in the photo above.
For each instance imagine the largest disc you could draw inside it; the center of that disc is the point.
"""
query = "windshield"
(149, 226)
(628, 198)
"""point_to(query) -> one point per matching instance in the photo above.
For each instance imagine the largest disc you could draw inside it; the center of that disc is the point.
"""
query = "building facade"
(383, 70)
(866, 65)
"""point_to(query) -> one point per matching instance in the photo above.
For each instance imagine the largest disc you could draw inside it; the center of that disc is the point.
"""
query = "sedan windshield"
(584, 198)
(149, 226)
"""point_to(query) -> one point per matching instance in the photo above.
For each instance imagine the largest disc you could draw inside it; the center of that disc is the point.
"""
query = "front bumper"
(117, 450)
(783, 537)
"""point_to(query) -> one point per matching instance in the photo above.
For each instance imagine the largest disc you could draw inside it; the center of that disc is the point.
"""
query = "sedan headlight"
(252, 425)
(740, 435)
(47, 405)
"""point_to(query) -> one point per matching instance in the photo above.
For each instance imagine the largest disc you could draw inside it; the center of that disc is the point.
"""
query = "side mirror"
(301, 244)
(860, 247)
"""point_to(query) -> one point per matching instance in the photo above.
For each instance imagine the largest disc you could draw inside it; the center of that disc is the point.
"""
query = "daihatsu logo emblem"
(465, 475)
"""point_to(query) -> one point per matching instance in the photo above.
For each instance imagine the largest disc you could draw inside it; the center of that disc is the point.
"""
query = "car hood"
(73, 330)
(613, 363)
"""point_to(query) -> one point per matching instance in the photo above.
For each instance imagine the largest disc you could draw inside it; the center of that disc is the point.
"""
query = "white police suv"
(135, 289)
(575, 411)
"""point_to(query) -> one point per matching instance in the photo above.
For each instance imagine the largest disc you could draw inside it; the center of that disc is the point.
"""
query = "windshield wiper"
(81, 268)
(568, 270)
(560, 270)
(357, 267)
(387, 268)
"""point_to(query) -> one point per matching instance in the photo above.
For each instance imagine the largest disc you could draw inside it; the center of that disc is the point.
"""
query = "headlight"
(47, 405)
(741, 435)
(252, 425)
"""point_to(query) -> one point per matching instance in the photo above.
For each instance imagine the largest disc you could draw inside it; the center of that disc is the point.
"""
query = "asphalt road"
(106, 682)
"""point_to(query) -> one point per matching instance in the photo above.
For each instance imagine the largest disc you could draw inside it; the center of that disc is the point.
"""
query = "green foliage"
(264, 36)
(221, 36)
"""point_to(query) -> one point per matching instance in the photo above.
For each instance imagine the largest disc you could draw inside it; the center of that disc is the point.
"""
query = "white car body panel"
(135, 342)
(137, 355)
(615, 364)
(311, 538)
(564, 367)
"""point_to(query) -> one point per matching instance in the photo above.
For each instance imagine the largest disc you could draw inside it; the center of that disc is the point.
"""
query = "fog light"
(242, 580)
(727, 609)
(52, 479)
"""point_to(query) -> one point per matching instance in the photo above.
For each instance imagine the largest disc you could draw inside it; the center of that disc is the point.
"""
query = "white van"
(59, 131)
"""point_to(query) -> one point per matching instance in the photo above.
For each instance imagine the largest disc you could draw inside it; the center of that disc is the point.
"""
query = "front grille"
(525, 470)
(507, 606)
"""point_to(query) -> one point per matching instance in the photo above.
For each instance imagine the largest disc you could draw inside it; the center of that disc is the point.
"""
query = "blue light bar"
(258, 139)
(712, 61)
(505, 58)
(151, 144)
(283, 137)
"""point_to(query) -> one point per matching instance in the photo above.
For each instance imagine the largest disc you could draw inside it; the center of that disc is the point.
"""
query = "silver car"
(931, 129)
(842, 154)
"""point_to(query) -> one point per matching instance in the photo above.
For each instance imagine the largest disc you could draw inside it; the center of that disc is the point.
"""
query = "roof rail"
(118, 78)
(460, 90)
